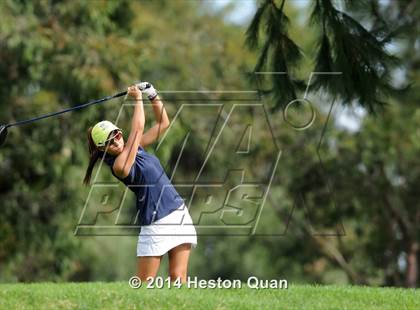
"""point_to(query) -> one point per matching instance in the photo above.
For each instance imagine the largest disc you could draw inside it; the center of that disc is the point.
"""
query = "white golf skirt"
(166, 233)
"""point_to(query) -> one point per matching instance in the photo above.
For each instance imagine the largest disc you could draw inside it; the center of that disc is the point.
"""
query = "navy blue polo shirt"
(156, 197)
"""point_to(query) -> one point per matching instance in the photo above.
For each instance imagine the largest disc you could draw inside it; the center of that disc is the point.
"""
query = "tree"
(370, 179)
(59, 54)
(343, 45)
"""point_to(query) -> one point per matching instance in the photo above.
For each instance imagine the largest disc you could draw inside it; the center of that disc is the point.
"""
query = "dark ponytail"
(93, 157)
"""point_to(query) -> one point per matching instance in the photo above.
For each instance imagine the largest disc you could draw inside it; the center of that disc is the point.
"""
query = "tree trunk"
(412, 271)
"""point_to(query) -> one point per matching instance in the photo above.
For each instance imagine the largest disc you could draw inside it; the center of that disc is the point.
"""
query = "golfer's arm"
(125, 160)
(161, 124)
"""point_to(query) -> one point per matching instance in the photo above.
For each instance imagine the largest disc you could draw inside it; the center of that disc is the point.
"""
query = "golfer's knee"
(145, 277)
(178, 273)
(145, 274)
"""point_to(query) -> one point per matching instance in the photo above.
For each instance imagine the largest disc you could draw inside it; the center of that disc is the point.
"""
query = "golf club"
(4, 131)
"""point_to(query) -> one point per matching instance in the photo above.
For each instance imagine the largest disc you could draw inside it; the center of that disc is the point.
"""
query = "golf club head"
(3, 134)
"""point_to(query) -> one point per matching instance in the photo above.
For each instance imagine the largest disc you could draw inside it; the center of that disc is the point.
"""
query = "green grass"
(119, 295)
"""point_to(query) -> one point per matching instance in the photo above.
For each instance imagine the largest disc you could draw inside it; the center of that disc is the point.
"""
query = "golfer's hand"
(148, 90)
(134, 92)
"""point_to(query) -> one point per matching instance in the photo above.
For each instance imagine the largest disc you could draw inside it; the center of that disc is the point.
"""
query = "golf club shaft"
(67, 110)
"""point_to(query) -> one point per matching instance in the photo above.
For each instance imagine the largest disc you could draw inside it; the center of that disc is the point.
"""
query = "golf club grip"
(68, 109)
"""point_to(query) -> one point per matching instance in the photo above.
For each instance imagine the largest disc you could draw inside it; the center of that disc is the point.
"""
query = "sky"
(242, 11)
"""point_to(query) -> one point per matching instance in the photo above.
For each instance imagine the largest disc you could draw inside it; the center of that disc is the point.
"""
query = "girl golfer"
(166, 225)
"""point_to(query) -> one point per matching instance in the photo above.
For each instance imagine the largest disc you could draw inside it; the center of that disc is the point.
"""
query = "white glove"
(148, 89)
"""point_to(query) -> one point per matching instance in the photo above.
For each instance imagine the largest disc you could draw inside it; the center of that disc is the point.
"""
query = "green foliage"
(377, 229)
(344, 45)
(278, 47)
(361, 55)
(60, 54)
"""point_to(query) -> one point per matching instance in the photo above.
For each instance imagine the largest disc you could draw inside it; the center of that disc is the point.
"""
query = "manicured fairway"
(119, 295)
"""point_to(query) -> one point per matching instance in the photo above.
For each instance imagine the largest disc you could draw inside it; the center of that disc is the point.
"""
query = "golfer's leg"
(148, 266)
(178, 262)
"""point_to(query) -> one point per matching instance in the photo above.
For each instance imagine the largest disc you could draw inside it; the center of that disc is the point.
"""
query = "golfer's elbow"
(122, 174)
(165, 124)
(137, 126)
(140, 128)
(164, 121)
(121, 171)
